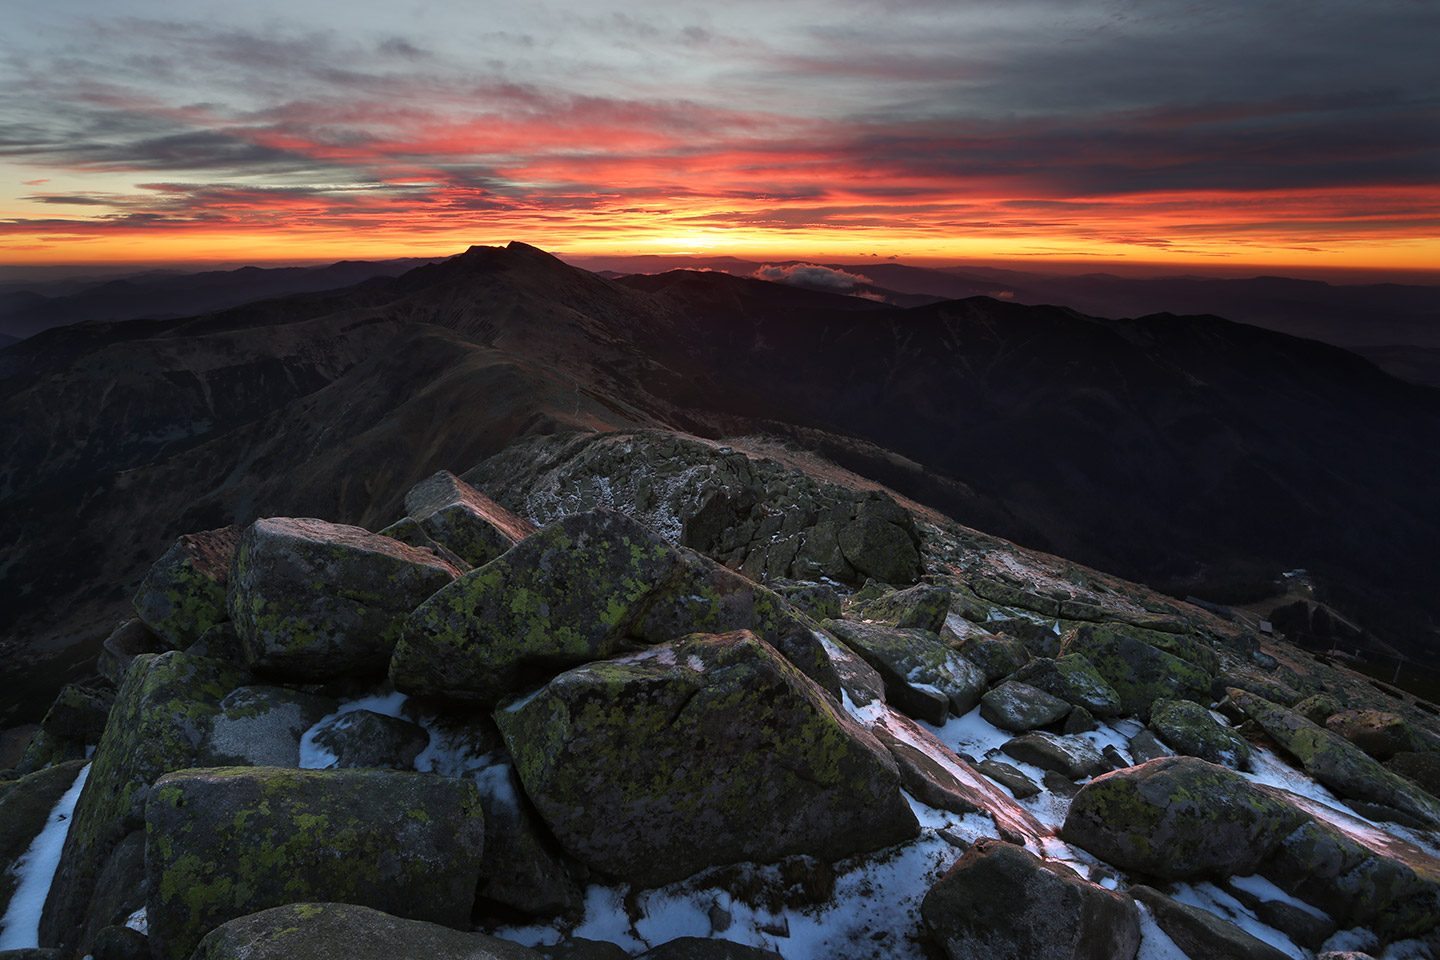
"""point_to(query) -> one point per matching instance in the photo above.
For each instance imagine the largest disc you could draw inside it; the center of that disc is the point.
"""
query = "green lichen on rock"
(316, 601)
(79, 713)
(159, 723)
(1180, 818)
(997, 657)
(1074, 679)
(225, 842)
(1140, 673)
(1317, 708)
(924, 677)
(1189, 728)
(323, 931)
(183, 595)
(699, 752)
(464, 520)
(924, 606)
(1335, 761)
(568, 594)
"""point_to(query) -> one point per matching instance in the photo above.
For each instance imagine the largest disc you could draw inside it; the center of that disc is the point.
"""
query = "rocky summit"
(638, 693)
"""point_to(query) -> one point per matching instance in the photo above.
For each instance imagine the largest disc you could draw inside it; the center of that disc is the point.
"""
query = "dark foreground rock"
(706, 751)
(1002, 902)
(183, 595)
(229, 841)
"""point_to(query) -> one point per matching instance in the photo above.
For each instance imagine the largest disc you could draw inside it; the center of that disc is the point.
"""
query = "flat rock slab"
(324, 931)
(316, 601)
(564, 596)
(705, 751)
(1074, 679)
(225, 842)
(1001, 902)
(463, 519)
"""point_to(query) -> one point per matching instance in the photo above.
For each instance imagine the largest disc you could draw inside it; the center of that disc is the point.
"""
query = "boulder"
(160, 721)
(128, 640)
(224, 842)
(464, 520)
(364, 738)
(117, 942)
(24, 809)
(1335, 761)
(1318, 707)
(1075, 757)
(704, 751)
(1201, 934)
(79, 713)
(1001, 902)
(220, 642)
(1080, 720)
(183, 595)
(1145, 746)
(1139, 673)
(566, 595)
(316, 601)
(262, 725)
(923, 606)
(1380, 734)
(522, 869)
(323, 931)
(1189, 728)
(818, 601)
(1421, 769)
(1009, 777)
(1074, 679)
(119, 892)
(1018, 707)
(923, 676)
(997, 657)
(882, 541)
(1179, 818)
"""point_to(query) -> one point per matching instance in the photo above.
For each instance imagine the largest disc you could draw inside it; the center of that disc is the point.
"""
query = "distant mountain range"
(1196, 454)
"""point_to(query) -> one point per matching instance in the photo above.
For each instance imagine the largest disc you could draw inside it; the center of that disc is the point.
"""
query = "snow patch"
(1209, 897)
(35, 871)
(1155, 944)
(1258, 886)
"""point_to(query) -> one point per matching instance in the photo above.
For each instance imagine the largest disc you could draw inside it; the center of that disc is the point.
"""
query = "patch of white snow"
(35, 871)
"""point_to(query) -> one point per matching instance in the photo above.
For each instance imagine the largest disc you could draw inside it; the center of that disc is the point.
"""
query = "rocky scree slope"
(651, 695)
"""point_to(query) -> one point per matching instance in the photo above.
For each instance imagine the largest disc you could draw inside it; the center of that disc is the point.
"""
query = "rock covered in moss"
(225, 842)
(1139, 672)
(568, 594)
(997, 657)
(1335, 761)
(463, 519)
(923, 676)
(1318, 707)
(24, 809)
(160, 721)
(1074, 679)
(1001, 902)
(818, 601)
(364, 738)
(1074, 757)
(704, 751)
(322, 931)
(1179, 818)
(315, 601)
(183, 595)
(261, 725)
(1189, 728)
(882, 541)
(924, 605)
(79, 713)
(1380, 734)
(1019, 707)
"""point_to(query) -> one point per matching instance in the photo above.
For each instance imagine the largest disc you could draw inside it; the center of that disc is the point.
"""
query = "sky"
(1157, 131)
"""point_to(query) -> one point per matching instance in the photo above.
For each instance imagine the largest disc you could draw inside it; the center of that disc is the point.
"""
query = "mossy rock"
(46, 750)
(1018, 707)
(818, 601)
(1186, 646)
(704, 751)
(261, 725)
(1180, 818)
(923, 676)
(1317, 708)
(997, 591)
(224, 842)
(997, 657)
(704, 597)
(882, 542)
(1074, 679)
(24, 809)
(1421, 769)
(364, 738)
(1139, 673)
(924, 606)
(1189, 728)
(315, 601)
(1262, 685)
(568, 594)
(463, 519)
(161, 718)
(325, 931)
(1380, 734)
(1335, 761)
(1003, 902)
(79, 713)
(183, 595)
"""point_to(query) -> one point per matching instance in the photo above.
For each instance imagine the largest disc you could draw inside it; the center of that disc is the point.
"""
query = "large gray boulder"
(463, 519)
(1073, 679)
(1189, 728)
(704, 751)
(566, 595)
(1071, 756)
(364, 738)
(1179, 818)
(328, 931)
(315, 601)
(1001, 902)
(224, 842)
(1018, 707)
(183, 594)
(923, 676)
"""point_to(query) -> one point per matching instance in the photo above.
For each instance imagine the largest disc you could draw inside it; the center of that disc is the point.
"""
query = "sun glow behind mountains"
(1042, 132)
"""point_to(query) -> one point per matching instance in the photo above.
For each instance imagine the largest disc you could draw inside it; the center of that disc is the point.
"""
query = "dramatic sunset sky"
(1230, 133)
